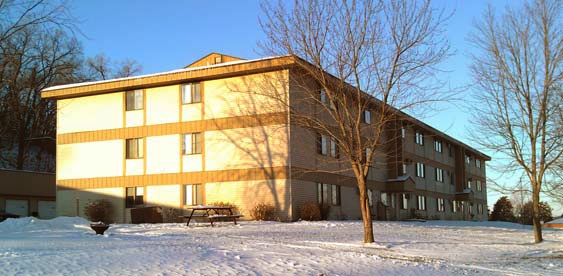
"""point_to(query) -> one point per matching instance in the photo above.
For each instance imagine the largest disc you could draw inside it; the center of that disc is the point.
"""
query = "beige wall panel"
(253, 147)
(163, 154)
(191, 112)
(72, 202)
(165, 195)
(251, 94)
(134, 166)
(192, 163)
(246, 194)
(350, 207)
(90, 113)
(134, 118)
(89, 160)
(163, 105)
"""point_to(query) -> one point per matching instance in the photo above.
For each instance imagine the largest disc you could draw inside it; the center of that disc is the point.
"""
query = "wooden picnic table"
(212, 213)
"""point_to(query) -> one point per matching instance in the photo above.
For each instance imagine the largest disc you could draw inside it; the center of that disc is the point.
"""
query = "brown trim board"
(174, 128)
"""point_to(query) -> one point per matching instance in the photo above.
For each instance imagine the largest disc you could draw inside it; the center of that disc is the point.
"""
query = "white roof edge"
(158, 74)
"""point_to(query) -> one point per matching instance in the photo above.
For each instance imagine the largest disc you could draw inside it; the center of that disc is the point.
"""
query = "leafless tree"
(379, 56)
(518, 73)
(102, 67)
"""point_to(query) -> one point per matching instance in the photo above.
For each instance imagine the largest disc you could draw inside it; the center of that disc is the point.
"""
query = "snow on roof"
(158, 74)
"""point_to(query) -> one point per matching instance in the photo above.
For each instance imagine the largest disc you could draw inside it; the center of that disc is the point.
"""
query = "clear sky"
(165, 35)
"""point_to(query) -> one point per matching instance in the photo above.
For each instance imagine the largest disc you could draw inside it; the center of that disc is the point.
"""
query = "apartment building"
(205, 134)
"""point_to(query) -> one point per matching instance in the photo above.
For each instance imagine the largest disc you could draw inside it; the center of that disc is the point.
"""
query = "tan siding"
(90, 113)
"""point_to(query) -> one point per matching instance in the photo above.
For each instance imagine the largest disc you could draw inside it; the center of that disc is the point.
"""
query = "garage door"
(18, 207)
(47, 209)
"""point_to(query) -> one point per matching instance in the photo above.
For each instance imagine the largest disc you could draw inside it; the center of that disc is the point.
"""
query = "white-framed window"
(367, 117)
(191, 143)
(478, 185)
(467, 159)
(328, 194)
(134, 196)
(479, 209)
(421, 202)
(193, 194)
(134, 100)
(439, 175)
(438, 145)
(454, 206)
(334, 148)
(440, 204)
(134, 148)
(191, 93)
(403, 132)
(404, 169)
(322, 144)
(404, 202)
(323, 96)
(384, 199)
(477, 163)
(420, 168)
(419, 138)
(469, 183)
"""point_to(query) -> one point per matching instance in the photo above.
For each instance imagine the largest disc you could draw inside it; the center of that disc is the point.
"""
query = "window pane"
(319, 192)
(196, 143)
(335, 194)
(138, 99)
(187, 93)
(188, 195)
(140, 150)
(323, 145)
(196, 93)
(326, 195)
(198, 194)
(130, 100)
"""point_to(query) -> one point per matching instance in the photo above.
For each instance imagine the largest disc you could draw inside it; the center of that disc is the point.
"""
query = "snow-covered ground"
(67, 246)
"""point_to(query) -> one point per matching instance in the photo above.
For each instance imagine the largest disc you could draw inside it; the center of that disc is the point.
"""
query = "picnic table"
(212, 213)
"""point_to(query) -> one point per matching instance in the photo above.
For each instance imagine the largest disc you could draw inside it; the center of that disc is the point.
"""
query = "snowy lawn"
(67, 246)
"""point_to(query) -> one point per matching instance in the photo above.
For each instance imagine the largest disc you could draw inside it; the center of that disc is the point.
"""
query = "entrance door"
(17, 207)
(47, 209)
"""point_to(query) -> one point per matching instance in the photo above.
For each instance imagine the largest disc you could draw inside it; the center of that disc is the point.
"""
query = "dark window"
(335, 198)
(134, 100)
(421, 202)
(191, 143)
(134, 197)
(134, 148)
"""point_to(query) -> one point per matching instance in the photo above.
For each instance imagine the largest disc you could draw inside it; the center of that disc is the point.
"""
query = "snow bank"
(35, 224)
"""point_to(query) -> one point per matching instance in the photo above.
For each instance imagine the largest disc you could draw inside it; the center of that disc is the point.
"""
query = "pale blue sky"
(166, 35)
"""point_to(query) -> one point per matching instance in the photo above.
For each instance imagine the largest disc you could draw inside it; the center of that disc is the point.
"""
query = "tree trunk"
(536, 216)
(366, 211)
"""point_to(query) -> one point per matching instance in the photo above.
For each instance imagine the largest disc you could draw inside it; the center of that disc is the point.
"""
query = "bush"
(233, 206)
(263, 211)
(99, 210)
(310, 211)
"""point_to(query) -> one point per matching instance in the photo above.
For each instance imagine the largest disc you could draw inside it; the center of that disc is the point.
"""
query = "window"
(479, 186)
(450, 151)
(370, 198)
(438, 145)
(468, 159)
(367, 117)
(477, 163)
(134, 148)
(322, 141)
(328, 194)
(191, 143)
(334, 148)
(452, 177)
(440, 203)
(193, 194)
(323, 97)
(366, 154)
(454, 206)
(134, 196)
(335, 195)
(191, 93)
(134, 100)
(419, 138)
(439, 175)
(403, 132)
(421, 202)
(480, 209)
(404, 169)
(384, 199)
(469, 184)
(470, 211)
(420, 170)
(404, 202)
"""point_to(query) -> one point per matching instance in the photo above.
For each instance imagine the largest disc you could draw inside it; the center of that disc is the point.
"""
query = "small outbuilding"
(557, 223)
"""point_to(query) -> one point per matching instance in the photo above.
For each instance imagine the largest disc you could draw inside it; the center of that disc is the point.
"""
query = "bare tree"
(519, 78)
(357, 56)
(102, 67)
